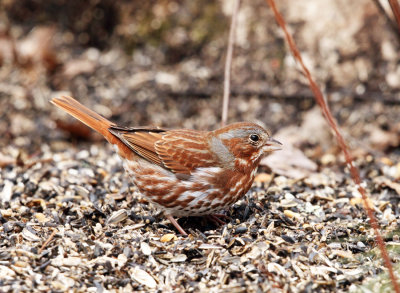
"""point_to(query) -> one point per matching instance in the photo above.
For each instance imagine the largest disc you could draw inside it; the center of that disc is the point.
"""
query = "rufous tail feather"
(85, 115)
(91, 119)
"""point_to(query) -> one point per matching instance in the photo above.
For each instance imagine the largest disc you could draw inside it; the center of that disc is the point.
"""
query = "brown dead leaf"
(290, 162)
(383, 181)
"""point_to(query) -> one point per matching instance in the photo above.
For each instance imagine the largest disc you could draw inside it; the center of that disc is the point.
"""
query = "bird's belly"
(197, 195)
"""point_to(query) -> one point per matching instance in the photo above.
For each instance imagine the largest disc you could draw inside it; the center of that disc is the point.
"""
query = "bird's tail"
(86, 116)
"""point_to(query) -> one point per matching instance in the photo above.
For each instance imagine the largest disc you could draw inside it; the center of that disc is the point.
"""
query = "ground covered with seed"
(72, 221)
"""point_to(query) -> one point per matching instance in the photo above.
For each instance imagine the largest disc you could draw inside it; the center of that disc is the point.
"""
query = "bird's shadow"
(206, 224)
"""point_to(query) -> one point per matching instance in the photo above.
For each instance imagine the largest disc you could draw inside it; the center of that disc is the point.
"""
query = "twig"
(394, 4)
(353, 170)
(228, 63)
(47, 241)
(389, 20)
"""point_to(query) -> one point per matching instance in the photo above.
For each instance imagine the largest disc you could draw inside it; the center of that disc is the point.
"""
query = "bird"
(184, 172)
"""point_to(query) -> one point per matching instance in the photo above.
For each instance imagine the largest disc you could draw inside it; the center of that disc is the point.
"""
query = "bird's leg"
(216, 218)
(177, 226)
(221, 216)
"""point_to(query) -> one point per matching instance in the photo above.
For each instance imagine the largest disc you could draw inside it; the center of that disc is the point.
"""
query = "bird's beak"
(272, 145)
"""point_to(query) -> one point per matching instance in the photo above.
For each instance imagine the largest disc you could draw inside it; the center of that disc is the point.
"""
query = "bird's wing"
(180, 151)
(141, 141)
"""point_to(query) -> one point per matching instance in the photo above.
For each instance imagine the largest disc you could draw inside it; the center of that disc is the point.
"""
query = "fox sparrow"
(184, 172)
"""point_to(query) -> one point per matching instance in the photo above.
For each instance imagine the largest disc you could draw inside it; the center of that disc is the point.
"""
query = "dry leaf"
(389, 183)
(290, 162)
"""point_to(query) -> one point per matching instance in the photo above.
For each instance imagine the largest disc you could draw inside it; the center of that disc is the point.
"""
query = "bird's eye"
(254, 137)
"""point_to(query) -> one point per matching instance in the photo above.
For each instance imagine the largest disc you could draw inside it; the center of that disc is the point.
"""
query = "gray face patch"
(222, 151)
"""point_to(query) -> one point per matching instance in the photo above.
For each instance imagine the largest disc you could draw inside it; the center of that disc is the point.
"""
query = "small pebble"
(361, 245)
(240, 230)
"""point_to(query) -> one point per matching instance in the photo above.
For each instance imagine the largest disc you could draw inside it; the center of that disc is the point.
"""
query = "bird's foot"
(216, 219)
(177, 226)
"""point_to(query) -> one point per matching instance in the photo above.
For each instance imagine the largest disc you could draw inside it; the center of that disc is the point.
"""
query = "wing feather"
(141, 141)
(180, 151)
